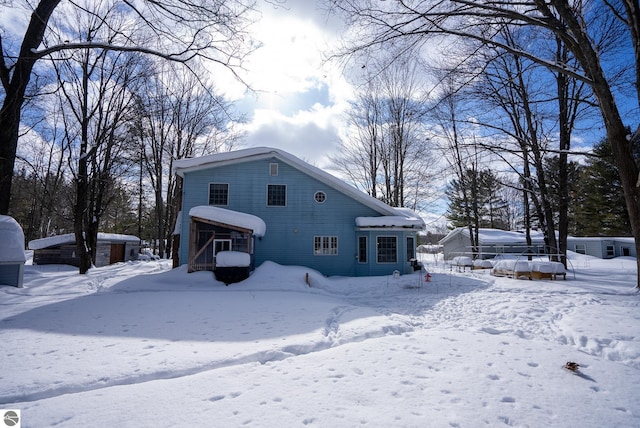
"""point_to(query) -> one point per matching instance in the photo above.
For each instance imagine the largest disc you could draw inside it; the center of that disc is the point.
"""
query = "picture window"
(387, 249)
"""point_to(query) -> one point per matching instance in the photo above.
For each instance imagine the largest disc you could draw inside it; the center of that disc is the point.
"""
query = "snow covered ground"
(138, 345)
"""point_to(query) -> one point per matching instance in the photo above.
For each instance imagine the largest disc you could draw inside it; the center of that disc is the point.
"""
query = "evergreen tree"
(459, 212)
(483, 206)
(551, 172)
(493, 203)
(598, 205)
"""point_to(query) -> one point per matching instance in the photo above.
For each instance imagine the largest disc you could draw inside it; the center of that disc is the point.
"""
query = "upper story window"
(273, 169)
(276, 195)
(320, 196)
(218, 194)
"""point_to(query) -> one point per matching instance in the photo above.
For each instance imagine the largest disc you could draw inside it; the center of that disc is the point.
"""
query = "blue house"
(273, 206)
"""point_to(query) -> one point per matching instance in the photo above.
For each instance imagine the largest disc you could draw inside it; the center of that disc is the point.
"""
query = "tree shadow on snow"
(177, 306)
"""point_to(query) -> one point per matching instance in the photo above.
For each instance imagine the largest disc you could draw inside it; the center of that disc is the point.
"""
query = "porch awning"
(232, 218)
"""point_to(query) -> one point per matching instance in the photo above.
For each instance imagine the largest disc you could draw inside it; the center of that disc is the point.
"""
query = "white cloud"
(299, 100)
(309, 134)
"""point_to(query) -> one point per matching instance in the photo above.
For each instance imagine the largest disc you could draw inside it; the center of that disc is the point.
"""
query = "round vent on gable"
(320, 196)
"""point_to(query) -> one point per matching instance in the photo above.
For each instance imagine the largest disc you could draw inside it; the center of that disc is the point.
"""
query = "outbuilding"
(61, 249)
(12, 256)
(493, 242)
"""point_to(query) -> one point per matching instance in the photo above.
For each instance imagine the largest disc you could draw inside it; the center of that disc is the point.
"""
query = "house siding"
(289, 239)
(373, 267)
(592, 247)
(597, 246)
(622, 244)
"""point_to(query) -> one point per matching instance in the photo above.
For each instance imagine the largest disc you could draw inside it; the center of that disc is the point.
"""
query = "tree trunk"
(175, 248)
(79, 212)
(616, 131)
(9, 123)
(82, 212)
(564, 143)
(15, 86)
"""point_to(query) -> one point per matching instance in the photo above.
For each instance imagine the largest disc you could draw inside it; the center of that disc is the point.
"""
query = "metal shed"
(61, 249)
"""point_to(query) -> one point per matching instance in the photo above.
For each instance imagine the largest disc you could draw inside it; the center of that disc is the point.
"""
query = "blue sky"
(298, 101)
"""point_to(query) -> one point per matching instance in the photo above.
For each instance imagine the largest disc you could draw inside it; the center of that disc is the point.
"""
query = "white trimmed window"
(277, 195)
(325, 245)
(218, 194)
(387, 247)
(362, 249)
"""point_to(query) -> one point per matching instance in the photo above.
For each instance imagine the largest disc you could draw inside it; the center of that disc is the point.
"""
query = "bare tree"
(414, 22)
(179, 116)
(358, 158)
(175, 30)
(460, 159)
(509, 82)
(389, 153)
(43, 183)
(96, 87)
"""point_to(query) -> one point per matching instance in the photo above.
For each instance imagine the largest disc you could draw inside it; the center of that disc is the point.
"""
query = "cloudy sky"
(298, 100)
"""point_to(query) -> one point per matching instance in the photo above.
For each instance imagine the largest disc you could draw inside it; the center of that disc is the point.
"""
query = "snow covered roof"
(414, 222)
(621, 239)
(182, 166)
(12, 236)
(70, 238)
(232, 218)
(496, 236)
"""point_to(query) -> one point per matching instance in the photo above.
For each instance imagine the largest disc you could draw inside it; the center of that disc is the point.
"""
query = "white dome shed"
(12, 256)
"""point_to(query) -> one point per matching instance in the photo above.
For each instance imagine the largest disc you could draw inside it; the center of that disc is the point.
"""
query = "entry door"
(117, 253)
